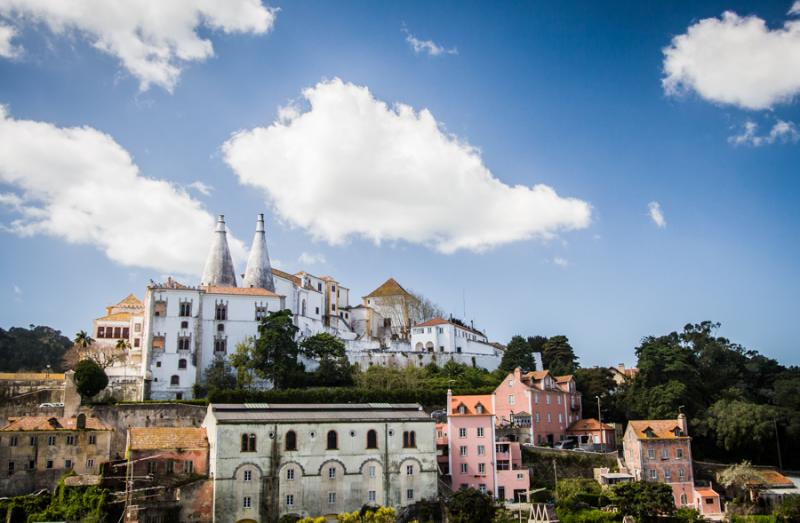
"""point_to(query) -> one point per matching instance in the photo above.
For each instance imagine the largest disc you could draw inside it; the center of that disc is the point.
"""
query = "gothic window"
(291, 440)
(184, 343)
(372, 439)
(185, 308)
(333, 440)
(220, 345)
(175, 380)
(221, 312)
(409, 439)
(261, 312)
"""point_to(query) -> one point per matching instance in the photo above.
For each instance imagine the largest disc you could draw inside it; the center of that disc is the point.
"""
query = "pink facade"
(540, 405)
(475, 458)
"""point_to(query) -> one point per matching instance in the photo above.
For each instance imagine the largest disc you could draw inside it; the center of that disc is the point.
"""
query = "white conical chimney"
(259, 272)
(219, 264)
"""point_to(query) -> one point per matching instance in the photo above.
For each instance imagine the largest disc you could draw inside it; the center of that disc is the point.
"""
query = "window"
(684, 500)
(11, 466)
(221, 313)
(289, 500)
(371, 471)
(35, 441)
(409, 439)
(481, 468)
(482, 488)
(185, 308)
(371, 496)
(12, 442)
(409, 470)
(31, 464)
(651, 453)
(463, 468)
(510, 383)
(67, 463)
(667, 475)
(137, 342)
(538, 418)
(175, 380)
(481, 450)
(184, 343)
(137, 327)
(220, 327)
(261, 311)
(512, 399)
(247, 502)
(372, 439)
(248, 475)
(462, 450)
(151, 467)
(182, 363)
(220, 344)
(549, 418)
(333, 440)
(170, 466)
(462, 432)
(681, 474)
(317, 310)
(291, 440)
(248, 442)
(331, 498)
(410, 493)
(547, 398)
(70, 440)
(536, 398)
(559, 399)
(332, 473)
(560, 418)
(653, 474)
(479, 408)
(101, 332)
(289, 474)
(188, 466)
(462, 409)
(679, 453)
(117, 332)
(51, 440)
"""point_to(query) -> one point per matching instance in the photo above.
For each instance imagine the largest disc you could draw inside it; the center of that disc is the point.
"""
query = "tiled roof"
(286, 276)
(239, 291)
(775, 478)
(471, 403)
(537, 374)
(432, 322)
(662, 428)
(155, 438)
(563, 379)
(117, 316)
(130, 301)
(589, 424)
(389, 288)
(706, 491)
(39, 423)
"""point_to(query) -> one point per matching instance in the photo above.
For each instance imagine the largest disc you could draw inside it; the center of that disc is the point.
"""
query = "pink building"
(661, 450)
(476, 458)
(536, 406)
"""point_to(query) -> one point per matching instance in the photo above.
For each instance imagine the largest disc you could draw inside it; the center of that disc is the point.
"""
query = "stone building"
(36, 450)
(267, 460)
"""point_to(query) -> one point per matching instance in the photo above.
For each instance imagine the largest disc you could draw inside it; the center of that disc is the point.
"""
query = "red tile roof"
(162, 438)
(564, 379)
(589, 424)
(706, 491)
(662, 428)
(432, 322)
(471, 403)
(41, 423)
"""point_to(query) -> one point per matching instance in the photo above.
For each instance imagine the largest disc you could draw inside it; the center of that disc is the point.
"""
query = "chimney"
(683, 424)
(259, 271)
(219, 264)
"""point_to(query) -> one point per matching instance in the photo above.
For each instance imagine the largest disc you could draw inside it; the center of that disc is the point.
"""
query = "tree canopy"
(558, 356)
(90, 378)
(32, 349)
(519, 353)
(646, 501)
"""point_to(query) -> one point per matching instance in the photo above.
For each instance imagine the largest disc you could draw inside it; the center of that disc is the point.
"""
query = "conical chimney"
(219, 265)
(259, 272)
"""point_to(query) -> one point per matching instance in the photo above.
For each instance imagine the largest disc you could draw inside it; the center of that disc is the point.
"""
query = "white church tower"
(259, 272)
(219, 269)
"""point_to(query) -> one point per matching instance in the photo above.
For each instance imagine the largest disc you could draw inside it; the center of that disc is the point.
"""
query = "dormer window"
(479, 408)
(678, 432)
(462, 409)
(649, 433)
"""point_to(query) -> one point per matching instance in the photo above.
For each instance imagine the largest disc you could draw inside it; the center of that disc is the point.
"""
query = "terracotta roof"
(662, 428)
(432, 322)
(117, 316)
(389, 288)
(775, 478)
(130, 301)
(39, 423)
(286, 276)
(589, 424)
(155, 438)
(240, 291)
(537, 374)
(471, 402)
(563, 379)
(31, 376)
(706, 491)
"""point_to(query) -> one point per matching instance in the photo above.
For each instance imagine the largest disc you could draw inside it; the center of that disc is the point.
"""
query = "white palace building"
(178, 331)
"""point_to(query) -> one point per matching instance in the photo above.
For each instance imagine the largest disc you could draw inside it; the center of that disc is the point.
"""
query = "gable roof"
(537, 374)
(40, 423)
(389, 288)
(157, 438)
(130, 301)
(589, 424)
(431, 322)
(471, 403)
(286, 276)
(563, 379)
(662, 428)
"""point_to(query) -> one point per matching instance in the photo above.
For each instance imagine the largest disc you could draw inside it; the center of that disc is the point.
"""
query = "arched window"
(409, 439)
(182, 363)
(291, 440)
(175, 380)
(372, 439)
(333, 440)
(248, 442)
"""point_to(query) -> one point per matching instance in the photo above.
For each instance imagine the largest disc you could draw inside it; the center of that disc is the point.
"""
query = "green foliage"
(519, 353)
(592, 515)
(740, 426)
(598, 381)
(789, 510)
(468, 505)
(368, 515)
(32, 349)
(219, 376)
(275, 351)
(18, 508)
(84, 504)
(334, 368)
(579, 493)
(90, 378)
(687, 515)
(558, 356)
(644, 500)
(569, 465)
(240, 360)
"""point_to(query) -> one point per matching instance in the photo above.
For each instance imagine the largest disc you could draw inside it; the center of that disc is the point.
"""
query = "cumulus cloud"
(795, 9)
(153, 39)
(427, 46)
(202, 188)
(307, 258)
(736, 60)
(7, 49)
(781, 132)
(561, 262)
(350, 165)
(654, 209)
(79, 185)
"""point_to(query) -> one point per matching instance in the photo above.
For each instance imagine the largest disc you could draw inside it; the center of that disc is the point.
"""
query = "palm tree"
(122, 345)
(83, 340)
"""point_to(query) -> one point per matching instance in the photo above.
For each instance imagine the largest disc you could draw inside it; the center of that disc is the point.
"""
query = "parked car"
(566, 444)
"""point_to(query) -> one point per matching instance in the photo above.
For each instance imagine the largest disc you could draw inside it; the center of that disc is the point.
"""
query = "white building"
(117, 346)
(318, 460)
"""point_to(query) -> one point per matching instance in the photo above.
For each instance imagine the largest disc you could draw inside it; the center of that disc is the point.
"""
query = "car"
(46, 405)
(566, 444)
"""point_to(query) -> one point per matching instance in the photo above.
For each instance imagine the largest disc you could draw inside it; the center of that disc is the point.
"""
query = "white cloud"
(79, 185)
(202, 188)
(153, 39)
(311, 258)
(561, 262)
(654, 208)
(427, 46)
(782, 132)
(736, 60)
(349, 165)
(795, 9)
(7, 49)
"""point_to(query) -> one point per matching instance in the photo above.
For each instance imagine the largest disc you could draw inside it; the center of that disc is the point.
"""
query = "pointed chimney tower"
(219, 265)
(259, 272)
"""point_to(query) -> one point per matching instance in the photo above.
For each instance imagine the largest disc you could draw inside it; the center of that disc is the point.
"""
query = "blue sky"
(565, 94)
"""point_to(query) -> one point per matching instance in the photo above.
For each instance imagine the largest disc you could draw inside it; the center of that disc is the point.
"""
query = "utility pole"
(600, 421)
(778, 443)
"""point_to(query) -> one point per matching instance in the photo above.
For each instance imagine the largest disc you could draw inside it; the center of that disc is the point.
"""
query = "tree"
(32, 349)
(598, 381)
(218, 376)
(741, 427)
(558, 356)
(644, 500)
(242, 361)
(468, 505)
(90, 378)
(83, 340)
(368, 515)
(519, 353)
(274, 355)
(426, 309)
(334, 367)
(742, 477)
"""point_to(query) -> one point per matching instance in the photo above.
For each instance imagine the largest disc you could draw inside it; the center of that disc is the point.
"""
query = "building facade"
(537, 407)
(117, 346)
(593, 433)
(318, 460)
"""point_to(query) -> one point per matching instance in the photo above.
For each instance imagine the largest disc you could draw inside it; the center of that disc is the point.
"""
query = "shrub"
(90, 378)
